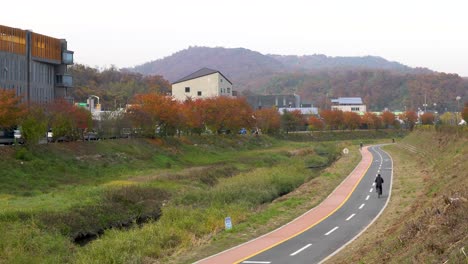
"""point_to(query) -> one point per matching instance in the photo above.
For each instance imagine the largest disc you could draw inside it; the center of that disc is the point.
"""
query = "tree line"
(156, 114)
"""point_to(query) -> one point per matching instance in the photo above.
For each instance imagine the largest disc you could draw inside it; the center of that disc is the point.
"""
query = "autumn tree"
(192, 111)
(371, 120)
(332, 118)
(315, 123)
(227, 114)
(388, 119)
(11, 109)
(292, 120)
(465, 112)
(154, 113)
(410, 118)
(67, 120)
(351, 120)
(268, 120)
(427, 118)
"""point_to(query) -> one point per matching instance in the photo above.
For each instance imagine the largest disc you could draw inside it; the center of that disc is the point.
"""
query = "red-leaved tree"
(11, 109)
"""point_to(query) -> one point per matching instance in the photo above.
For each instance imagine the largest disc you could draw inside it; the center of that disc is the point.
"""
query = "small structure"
(274, 100)
(348, 104)
(307, 111)
(204, 83)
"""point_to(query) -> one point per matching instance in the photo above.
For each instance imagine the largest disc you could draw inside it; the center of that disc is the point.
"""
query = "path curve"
(299, 225)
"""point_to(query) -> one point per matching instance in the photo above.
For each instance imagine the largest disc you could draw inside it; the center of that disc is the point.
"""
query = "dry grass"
(279, 212)
(426, 219)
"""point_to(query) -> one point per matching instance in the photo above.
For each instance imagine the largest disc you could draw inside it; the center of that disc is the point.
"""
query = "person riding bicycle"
(378, 184)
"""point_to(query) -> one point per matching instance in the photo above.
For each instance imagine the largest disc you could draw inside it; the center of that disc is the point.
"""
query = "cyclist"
(378, 184)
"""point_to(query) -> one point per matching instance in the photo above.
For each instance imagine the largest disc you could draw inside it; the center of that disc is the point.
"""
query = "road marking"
(373, 183)
(371, 189)
(257, 262)
(362, 205)
(331, 231)
(351, 216)
(306, 246)
(367, 198)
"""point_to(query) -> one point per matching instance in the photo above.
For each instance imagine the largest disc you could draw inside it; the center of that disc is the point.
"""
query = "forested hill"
(244, 66)
(236, 64)
(319, 61)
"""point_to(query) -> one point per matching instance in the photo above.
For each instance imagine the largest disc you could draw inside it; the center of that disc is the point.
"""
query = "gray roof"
(200, 73)
(348, 101)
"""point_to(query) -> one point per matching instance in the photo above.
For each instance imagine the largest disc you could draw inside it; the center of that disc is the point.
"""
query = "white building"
(349, 104)
(203, 83)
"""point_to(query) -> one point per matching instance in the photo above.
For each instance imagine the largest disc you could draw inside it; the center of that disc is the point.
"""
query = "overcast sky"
(417, 33)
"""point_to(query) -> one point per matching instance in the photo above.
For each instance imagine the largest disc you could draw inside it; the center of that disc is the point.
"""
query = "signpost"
(345, 151)
(228, 223)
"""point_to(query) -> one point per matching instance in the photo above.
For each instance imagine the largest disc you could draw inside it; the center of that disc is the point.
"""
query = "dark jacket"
(378, 181)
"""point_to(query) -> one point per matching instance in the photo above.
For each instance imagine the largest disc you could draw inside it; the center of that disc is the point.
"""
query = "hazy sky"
(418, 33)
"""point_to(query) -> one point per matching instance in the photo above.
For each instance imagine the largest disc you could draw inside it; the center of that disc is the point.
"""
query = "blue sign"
(228, 223)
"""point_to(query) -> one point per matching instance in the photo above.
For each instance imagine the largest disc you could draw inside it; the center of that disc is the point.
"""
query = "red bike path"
(299, 225)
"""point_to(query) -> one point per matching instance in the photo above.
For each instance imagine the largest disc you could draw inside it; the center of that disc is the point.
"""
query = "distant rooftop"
(347, 101)
(200, 73)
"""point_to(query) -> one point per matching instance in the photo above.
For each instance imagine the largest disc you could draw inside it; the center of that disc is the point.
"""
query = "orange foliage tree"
(155, 113)
(371, 120)
(194, 112)
(332, 118)
(11, 109)
(465, 112)
(268, 120)
(315, 123)
(227, 114)
(410, 118)
(351, 120)
(427, 118)
(67, 120)
(388, 119)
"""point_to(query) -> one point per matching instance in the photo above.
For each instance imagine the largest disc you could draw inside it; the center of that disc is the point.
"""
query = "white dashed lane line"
(362, 205)
(367, 198)
(297, 252)
(349, 218)
(331, 231)
(371, 189)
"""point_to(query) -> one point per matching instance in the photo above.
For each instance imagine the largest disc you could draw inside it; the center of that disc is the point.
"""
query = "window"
(228, 90)
(199, 93)
(354, 108)
(187, 89)
(221, 79)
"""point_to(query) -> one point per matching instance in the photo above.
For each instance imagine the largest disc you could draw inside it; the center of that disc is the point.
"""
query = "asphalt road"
(329, 236)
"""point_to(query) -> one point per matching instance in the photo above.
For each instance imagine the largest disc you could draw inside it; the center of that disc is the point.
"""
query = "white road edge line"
(367, 198)
(256, 262)
(351, 216)
(297, 252)
(331, 231)
(362, 205)
(373, 220)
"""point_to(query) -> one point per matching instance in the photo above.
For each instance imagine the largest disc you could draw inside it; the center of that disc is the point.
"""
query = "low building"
(307, 111)
(204, 83)
(275, 100)
(34, 65)
(348, 104)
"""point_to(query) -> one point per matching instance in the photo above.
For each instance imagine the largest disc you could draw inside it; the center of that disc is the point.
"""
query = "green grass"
(191, 184)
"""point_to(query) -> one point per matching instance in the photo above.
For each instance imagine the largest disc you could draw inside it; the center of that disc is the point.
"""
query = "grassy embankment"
(426, 220)
(180, 188)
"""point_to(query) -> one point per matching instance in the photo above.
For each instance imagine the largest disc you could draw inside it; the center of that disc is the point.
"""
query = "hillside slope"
(426, 220)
